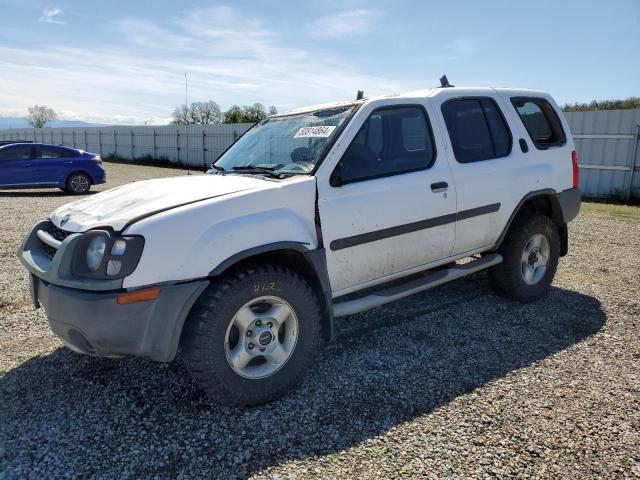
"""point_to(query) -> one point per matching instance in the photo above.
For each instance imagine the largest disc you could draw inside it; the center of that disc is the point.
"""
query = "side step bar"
(430, 280)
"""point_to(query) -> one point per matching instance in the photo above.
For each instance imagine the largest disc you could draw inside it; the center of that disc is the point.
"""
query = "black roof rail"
(444, 82)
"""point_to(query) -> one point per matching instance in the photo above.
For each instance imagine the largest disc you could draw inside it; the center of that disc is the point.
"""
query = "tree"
(234, 115)
(631, 102)
(254, 113)
(180, 115)
(40, 115)
(248, 113)
(198, 113)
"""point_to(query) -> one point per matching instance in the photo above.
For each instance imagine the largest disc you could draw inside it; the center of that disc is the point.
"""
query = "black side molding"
(392, 232)
(476, 212)
(347, 242)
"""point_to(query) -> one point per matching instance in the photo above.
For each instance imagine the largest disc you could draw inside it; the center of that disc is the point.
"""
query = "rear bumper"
(94, 323)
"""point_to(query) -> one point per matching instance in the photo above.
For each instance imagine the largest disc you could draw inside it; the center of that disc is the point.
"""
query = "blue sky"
(124, 62)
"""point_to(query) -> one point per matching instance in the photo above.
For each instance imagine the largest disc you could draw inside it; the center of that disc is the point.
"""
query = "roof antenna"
(360, 95)
(444, 83)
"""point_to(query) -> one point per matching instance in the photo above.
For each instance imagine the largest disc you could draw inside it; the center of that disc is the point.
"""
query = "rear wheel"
(251, 335)
(530, 258)
(78, 183)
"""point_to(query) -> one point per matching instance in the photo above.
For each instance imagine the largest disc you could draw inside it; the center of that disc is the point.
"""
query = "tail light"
(576, 169)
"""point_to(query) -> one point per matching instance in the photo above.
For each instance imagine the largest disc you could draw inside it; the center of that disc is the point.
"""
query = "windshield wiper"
(220, 169)
(270, 171)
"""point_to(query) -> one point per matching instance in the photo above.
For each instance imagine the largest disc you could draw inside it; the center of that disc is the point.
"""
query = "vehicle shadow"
(41, 193)
(109, 418)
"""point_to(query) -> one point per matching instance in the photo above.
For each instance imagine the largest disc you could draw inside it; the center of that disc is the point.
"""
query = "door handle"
(523, 145)
(26, 165)
(439, 187)
(70, 162)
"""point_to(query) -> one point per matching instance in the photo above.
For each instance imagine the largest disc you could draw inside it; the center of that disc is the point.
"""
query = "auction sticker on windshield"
(322, 131)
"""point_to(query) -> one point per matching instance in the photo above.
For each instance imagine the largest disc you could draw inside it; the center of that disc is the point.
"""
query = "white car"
(322, 212)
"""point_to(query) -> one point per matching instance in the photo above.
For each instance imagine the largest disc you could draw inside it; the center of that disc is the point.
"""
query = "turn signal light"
(576, 169)
(139, 296)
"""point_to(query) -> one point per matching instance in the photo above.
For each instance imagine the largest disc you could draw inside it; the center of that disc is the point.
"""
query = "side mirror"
(336, 177)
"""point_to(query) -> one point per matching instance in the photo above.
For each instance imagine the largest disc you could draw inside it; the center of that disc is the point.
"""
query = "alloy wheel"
(261, 337)
(535, 258)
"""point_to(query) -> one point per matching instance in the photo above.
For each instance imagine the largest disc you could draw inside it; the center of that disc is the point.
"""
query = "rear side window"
(477, 129)
(55, 152)
(22, 152)
(391, 141)
(541, 121)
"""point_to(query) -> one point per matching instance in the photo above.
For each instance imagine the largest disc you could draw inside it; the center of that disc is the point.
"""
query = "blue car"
(38, 165)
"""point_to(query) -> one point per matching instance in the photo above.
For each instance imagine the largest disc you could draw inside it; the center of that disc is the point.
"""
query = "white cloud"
(52, 15)
(346, 24)
(230, 58)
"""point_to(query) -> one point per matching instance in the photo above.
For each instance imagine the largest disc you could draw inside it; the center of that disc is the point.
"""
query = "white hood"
(119, 206)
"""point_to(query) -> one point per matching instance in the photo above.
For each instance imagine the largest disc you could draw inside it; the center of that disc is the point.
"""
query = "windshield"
(289, 144)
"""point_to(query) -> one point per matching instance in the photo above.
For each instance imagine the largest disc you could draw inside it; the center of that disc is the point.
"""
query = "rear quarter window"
(541, 121)
(56, 152)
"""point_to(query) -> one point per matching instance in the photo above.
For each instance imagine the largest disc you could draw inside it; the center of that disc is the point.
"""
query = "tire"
(78, 183)
(527, 280)
(232, 314)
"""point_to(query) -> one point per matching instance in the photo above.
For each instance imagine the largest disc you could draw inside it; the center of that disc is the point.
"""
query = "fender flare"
(315, 258)
(558, 212)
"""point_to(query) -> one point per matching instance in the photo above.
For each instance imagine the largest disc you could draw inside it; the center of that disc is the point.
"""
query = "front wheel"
(530, 254)
(251, 335)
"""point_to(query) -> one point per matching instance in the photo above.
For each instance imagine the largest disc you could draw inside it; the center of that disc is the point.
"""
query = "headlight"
(95, 252)
(103, 254)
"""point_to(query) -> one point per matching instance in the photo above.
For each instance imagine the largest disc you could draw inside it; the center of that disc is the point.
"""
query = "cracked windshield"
(287, 144)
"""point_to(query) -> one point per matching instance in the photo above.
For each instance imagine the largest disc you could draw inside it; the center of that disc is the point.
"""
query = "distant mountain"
(19, 122)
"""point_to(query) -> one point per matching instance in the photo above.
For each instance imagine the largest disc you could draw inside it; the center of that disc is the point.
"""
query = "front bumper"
(101, 177)
(94, 323)
(85, 313)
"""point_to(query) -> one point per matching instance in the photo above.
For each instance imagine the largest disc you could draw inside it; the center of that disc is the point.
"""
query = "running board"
(430, 280)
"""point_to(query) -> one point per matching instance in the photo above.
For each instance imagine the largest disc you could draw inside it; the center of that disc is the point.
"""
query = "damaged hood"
(122, 205)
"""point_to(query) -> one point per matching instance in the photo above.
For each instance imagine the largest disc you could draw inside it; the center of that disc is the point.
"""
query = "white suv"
(321, 212)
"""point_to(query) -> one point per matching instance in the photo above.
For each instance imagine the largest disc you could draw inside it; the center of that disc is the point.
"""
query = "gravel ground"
(455, 382)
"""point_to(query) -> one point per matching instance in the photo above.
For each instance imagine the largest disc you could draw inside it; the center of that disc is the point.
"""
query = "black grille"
(56, 233)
